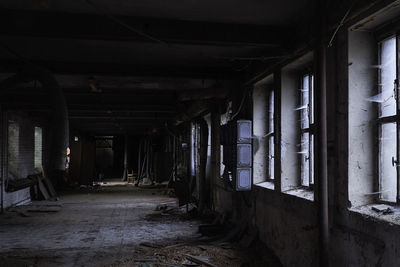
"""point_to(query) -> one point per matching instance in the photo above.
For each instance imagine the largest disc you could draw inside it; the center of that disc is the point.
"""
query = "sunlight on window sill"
(268, 185)
(302, 193)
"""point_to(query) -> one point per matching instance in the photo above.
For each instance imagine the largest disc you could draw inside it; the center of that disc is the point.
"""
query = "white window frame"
(384, 120)
(307, 175)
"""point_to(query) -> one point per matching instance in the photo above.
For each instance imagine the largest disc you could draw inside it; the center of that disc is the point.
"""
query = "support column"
(215, 153)
(321, 138)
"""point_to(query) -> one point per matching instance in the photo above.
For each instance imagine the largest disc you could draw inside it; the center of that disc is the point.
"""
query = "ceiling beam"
(8, 65)
(100, 27)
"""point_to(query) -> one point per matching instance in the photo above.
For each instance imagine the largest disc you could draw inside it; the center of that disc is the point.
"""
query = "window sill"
(304, 193)
(368, 212)
(268, 185)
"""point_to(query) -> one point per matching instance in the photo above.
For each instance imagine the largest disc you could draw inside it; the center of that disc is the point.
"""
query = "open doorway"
(104, 157)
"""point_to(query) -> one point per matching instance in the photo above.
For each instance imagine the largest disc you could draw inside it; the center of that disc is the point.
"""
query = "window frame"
(270, 175)
(381, 36)
(308, 71)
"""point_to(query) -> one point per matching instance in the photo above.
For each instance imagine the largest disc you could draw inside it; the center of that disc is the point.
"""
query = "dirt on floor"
(117, 225)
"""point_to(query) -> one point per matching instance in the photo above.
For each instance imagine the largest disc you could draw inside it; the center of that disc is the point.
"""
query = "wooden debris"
(200, 260)
(150, 245)
(189, 263)
(43, 189)
(43, 208)
(49, 185)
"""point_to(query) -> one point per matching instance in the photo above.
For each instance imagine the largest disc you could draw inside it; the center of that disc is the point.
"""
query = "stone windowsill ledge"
(268, 185)
(304, 193)
(381, 212)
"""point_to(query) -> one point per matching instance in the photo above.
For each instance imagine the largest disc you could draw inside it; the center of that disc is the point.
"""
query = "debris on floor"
(193, 253)
(216, 245)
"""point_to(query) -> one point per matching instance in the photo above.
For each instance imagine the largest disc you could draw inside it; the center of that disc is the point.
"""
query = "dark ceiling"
(123, 65)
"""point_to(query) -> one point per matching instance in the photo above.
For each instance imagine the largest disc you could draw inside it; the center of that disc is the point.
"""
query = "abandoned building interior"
(200, 133)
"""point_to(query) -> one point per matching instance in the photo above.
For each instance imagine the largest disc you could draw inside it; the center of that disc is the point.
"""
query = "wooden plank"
(42, 188)
(199, 260)
(49, 186)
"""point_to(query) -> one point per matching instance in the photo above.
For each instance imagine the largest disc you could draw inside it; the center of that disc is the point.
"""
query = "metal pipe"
(321, 138)
(2, 161)
(124, 176)
(139, 155)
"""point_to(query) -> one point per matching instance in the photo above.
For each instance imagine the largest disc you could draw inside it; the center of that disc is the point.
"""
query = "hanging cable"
(120, 22)
(241, 105)
(341, 23)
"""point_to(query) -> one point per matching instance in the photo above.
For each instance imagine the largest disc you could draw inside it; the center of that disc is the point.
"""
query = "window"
(270, 135)
(388, 128)
(306, 145)
(13, 149)
(38, 148)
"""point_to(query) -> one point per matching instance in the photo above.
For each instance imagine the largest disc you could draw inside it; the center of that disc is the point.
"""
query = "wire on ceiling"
(120, 22)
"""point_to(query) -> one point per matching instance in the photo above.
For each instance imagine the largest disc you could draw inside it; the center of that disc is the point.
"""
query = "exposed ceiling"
(140, 55)
(222, 11)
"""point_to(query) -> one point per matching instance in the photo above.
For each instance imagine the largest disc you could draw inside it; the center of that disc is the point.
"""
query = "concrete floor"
(92, 228)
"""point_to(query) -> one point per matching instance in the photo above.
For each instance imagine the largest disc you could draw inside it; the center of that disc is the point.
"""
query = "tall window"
(388, 128)
(13, 149)
(306, 125)
(38, 148)
(271, 153)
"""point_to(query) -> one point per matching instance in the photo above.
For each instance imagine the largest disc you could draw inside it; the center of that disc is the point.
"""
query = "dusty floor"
(91, 228)
(114, 225)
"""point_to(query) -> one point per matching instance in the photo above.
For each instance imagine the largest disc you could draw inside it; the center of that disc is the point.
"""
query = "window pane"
(312, 99)
(311, 159)
(304, 103)
(271, 111)
(271, 138)
(305, 156)
(13, 150)
(387, 170)
(271, 157)
(38, 148)
(387, 106)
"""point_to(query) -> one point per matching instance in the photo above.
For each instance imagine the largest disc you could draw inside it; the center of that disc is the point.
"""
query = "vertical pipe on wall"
(138, 166)
(203, 197)
(3, 142)
(124, 176)
(321, 138)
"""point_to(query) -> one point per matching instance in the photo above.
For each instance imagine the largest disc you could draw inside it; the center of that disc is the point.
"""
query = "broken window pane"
(387, 102)
(387, 165)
